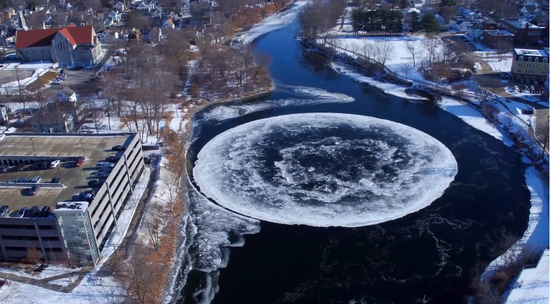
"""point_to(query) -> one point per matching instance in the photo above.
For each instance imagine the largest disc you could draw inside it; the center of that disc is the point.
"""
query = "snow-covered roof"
(531, 52)
(71, 207)
(499, 33)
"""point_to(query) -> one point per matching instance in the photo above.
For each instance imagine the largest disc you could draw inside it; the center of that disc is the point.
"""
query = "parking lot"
(74, 180)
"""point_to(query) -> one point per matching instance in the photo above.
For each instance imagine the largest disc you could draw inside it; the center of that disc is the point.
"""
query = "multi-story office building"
(69, 209)
(530, 65)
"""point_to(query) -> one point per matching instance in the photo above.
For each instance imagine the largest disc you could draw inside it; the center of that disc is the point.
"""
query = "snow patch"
(474, 118)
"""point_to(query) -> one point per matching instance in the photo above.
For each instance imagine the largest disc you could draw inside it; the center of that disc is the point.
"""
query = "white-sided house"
(52, 122)
(108, 36)
(66, 94)
(119, 6)
(461, 26)
(144, 7)
(475, 32)
(68, 46)
(3, 115)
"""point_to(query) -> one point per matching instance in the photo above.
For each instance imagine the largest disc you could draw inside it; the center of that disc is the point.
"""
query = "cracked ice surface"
(324, 169)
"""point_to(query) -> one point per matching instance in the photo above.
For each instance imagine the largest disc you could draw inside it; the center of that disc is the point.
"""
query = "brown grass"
(41, 81)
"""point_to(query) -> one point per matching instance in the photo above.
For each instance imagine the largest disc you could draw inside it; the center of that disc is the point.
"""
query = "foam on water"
(324, 169)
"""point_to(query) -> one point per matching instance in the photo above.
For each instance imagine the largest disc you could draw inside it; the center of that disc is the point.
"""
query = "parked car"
(21, 212)
(146, 160)
(105, 169)
(112, 159)
(55, 180)
(45, 212)
(79, 161)
(29, 212)
(35, 210)
(102, 174)
(118, 148)
(528, 111)
(93, 182)
(22, 180)
(36, 179)
(5, 209)
(55, 163)
(3, 169)
(34, 190)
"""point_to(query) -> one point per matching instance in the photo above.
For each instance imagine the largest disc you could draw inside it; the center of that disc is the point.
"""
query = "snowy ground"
(388, 88)
(28, 66)
(13, 87)
(50, 271)
(271, 23)
(503, 65)
(532, 284)
(474, 118)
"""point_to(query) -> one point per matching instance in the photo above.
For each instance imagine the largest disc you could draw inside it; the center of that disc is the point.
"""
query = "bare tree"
(35, 21)
(406, 69)
(139, 273)
(153, 228)
(431, 46)
(34, 256)
(503, 47)
(543, 135)
(384, 51)
(412, 49)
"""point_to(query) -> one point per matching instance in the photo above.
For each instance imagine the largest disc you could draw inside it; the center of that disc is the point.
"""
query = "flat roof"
(67, 147)
(499, 33)
(531, 52)
(518, 23)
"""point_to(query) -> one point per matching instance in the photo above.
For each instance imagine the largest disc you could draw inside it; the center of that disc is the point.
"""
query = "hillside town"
(97, 98)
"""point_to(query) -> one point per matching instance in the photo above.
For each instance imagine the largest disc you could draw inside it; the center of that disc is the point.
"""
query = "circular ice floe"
(324, 169)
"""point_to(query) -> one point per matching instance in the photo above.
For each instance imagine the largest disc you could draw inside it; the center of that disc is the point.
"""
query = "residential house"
(66, 94)
(498, 39)
(108, 36)
(134, 35)
(530, 64)
(68, 46)
(152, 35)
(467, 13)
(439, 19)
(525, 33)
(168, 23)
(529, 11)
(185, 7)
(112, 18)
(489, 24)
(52, 122)
(460, 26)
(145, 7)
(475, 31)
(119, 6)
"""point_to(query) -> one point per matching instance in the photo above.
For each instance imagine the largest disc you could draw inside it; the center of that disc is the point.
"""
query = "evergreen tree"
(403, 4)
(430, 24)
(447, 3)
(415, 22)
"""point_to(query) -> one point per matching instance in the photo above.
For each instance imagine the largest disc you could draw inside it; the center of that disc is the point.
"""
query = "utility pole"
(32, 143)
(82, 146)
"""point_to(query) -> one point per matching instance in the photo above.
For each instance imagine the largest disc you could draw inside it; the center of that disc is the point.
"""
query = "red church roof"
(37, 38)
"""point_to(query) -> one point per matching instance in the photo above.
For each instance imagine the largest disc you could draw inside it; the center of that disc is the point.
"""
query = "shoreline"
(536, 181)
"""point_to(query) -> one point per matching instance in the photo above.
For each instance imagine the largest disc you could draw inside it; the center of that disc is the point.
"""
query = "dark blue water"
(428, 256)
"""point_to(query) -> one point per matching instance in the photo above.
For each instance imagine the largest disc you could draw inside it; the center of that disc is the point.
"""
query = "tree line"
(319, 16)
(377, 22)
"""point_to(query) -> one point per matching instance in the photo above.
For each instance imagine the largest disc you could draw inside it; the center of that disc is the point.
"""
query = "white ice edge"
(210, 168)
(271, 23)
(536, 235)
(473, 118)
(388, 88)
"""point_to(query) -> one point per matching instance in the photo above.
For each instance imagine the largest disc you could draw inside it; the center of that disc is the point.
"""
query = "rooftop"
(519, 23)
(499, 33)
(65, 147)
(531, 52)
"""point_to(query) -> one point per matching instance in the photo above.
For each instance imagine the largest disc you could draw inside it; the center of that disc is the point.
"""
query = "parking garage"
(28, 156)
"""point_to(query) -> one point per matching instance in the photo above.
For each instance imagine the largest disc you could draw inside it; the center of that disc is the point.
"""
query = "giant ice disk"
(324, 169)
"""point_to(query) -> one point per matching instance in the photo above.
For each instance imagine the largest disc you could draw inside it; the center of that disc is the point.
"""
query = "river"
(427, 256)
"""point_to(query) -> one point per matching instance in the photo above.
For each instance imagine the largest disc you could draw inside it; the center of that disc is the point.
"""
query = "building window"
(518, 71)
(545, 60)
(530, 59)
